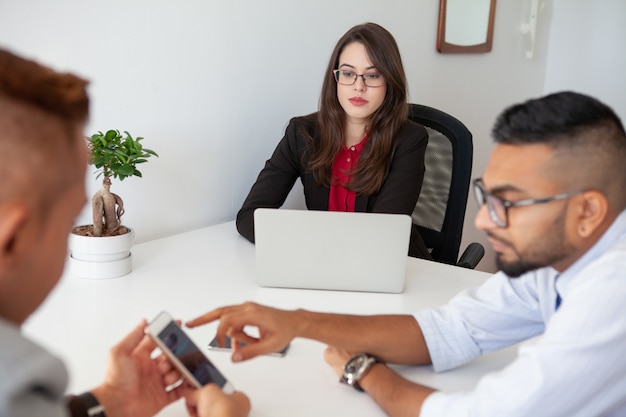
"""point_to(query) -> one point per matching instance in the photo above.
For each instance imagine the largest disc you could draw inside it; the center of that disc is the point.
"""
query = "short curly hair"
(578, 127)
(42, 117)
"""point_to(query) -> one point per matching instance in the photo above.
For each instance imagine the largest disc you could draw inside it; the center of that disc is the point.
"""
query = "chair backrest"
(440, 210)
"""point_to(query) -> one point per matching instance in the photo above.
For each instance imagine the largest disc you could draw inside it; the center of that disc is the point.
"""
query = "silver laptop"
(331, 250)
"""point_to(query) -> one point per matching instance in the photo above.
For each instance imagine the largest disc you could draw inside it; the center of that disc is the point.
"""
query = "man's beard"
(548, 250)
(515, 269)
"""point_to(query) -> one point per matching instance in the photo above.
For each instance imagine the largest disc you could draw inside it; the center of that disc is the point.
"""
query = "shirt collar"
(616, 231)
(359, 146)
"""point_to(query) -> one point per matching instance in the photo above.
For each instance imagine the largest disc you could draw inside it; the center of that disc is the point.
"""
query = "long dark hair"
(370, 172)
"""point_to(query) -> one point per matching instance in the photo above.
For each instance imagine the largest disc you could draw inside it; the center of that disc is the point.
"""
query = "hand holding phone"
(184, 354)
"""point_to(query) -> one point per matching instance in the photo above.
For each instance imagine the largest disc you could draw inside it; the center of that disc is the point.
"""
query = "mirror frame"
(450, 48)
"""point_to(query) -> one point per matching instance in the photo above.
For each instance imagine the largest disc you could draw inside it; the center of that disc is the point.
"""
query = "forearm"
(245, 223)
(270, 190)
(392, 338)
(397, 396)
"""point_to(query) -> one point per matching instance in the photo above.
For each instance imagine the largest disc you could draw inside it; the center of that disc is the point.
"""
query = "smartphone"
(184, 354)
(228, 346)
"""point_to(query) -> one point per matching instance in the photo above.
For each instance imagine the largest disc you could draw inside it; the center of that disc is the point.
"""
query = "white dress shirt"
(574, 364)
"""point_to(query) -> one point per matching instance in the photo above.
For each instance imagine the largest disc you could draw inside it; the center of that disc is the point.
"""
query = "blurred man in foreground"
(42, 170)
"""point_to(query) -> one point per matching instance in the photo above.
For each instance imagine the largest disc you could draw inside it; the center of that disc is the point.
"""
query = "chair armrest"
(471, 256)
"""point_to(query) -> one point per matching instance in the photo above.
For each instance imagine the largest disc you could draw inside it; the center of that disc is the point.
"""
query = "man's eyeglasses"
(498, 208)
(347, 77)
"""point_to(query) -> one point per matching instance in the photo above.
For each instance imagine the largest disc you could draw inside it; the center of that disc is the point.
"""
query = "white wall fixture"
(529, 28)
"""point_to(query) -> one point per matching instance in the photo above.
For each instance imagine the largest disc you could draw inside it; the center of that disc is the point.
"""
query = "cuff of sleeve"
(447, 340)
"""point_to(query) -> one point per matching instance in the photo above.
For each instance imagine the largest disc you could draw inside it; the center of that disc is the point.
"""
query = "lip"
(358, 101)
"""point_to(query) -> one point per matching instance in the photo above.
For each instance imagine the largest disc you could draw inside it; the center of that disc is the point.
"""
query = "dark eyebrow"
(505, 188)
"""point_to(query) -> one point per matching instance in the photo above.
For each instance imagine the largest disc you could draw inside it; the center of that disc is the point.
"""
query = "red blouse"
(340, 198)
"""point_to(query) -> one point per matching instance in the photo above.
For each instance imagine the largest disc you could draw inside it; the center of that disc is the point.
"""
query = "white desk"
(191, 273)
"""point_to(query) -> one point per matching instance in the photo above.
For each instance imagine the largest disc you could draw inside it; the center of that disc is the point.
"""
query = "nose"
(483, 221)
(359, 84)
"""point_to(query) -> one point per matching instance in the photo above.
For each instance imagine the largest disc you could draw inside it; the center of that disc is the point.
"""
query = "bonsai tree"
(114, 155)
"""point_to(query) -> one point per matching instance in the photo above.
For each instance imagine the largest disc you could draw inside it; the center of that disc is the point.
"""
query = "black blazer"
(398, 194)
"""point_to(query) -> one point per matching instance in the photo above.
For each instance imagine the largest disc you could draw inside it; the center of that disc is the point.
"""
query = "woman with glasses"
(359, 152)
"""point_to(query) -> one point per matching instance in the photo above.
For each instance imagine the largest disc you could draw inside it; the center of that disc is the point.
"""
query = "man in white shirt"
(553, 200)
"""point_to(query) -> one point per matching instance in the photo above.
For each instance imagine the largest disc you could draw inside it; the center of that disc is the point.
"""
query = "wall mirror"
(465, 26)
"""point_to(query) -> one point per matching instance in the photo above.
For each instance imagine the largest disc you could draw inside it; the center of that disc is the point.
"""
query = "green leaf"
(116, 155)
(126, 169)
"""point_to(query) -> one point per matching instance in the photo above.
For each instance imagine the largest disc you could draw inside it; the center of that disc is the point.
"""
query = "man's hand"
(337, 359)
(354, 333)
(211, 401)
(276, 328)
(135, 382)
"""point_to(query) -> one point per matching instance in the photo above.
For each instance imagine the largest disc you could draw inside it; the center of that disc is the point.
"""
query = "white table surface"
(193, 272)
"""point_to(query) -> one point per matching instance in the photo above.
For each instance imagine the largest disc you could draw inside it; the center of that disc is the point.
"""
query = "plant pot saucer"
(101, 270)
(100, 257)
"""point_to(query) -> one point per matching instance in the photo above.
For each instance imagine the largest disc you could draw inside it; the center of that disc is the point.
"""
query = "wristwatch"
(356, 368)
(92, 406)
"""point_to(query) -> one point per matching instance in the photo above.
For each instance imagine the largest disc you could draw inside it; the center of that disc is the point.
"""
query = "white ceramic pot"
(101, 257)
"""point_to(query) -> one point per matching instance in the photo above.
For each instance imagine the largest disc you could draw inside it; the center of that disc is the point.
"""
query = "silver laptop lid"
(331, 250)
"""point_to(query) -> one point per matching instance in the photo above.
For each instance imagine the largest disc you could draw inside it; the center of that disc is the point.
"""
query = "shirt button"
(352, 148)
(348, 159)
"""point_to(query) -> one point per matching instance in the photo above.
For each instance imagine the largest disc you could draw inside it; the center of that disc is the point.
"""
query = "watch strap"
(85, 405)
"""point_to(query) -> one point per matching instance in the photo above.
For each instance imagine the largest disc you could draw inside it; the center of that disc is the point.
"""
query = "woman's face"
(358, 100)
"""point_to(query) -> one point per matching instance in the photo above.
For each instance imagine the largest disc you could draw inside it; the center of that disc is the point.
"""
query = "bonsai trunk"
(106, 216)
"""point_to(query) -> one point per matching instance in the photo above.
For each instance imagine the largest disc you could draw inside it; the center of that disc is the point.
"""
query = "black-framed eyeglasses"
(498, 207)
(347, 77)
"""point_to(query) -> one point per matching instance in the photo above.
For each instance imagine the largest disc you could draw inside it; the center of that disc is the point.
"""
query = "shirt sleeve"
(574, 369)
(274, 182)
(496, 315)
(32, 381)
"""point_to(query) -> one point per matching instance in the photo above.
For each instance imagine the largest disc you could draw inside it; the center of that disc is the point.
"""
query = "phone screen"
(183, 348)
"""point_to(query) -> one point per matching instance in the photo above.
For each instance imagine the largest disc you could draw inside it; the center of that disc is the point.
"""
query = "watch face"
(355, 364)
(356, 367)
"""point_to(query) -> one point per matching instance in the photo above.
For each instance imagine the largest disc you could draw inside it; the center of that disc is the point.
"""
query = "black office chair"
(440, 210)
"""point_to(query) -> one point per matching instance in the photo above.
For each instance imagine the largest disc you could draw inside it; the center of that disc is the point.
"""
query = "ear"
(13, 217)
(593, 211)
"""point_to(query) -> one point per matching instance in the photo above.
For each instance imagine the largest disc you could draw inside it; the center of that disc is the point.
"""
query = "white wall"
(587, 50)
(212, 84)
